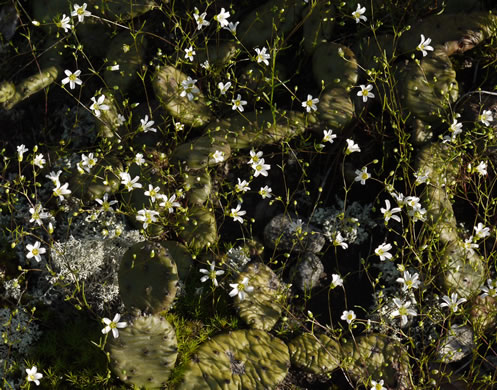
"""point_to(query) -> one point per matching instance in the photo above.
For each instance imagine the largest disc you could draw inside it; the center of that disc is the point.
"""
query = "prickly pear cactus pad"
(199, 153)
(177, 92)
(147, 278)
(429, 89)
(335, 65)
(260, 309)
(145, 352)
(376, 356)
(336, 108)
(318, 354)
(242, 359)
(456, 32)
(199, 229)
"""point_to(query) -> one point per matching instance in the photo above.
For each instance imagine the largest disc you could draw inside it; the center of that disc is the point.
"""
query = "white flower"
(129, 183)
(152, 192)
(34, 375)
(482, 168)
(486, 117)
(265, 192)
(39, 161)
(352, 147)
(98, 105)
(417, 214)
(413, 202)
(105, 204)
(254, 157)
(37, 214)
(336, 281)
(72, 78)
(238, 103)
(113, 325)
(362, 175)
(147, 217)
(80, 12)
(260, 168)
(328, 136)
(310, 103)
(218, 156)
(402, 311)
(35, 251)
(189, 53)
(491, 290)
(231, 27)
(205, 64)
(383, 251)
(60, 191)
(399, 197)
(21, 149)
(211, 274)
(377, 385)
(113, 68)
(241, 289)
(178, 126)
(236, 213)
(358, 13)
(338, 240)
(224, 87)
(242, 186)
(365, 92)
(65, 23)
(222, 17)
(424, 45)
(389, 213)
(262, 56)
(169, 203)
(88, 162)
(468, 244)
(188, 88)
(120, 120)
(348, 315)
(146, 125)
(421, 177)
(200, 19)
(409, 281)
(453, 302)
(455, 128)
(54, 177)
(139, 160)
(481, 231)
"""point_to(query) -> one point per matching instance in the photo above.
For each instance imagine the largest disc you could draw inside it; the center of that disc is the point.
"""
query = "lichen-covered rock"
(376, 356)
(200, 152)
(32, 85)
(290, 234)
(263, 24)
(318, 354)
(242, 359)
(168, 87)
(307, 272)
(261, 308)
(335, 108)
(334, 65)
(148, 278)
(145, 352)
(199, 229)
